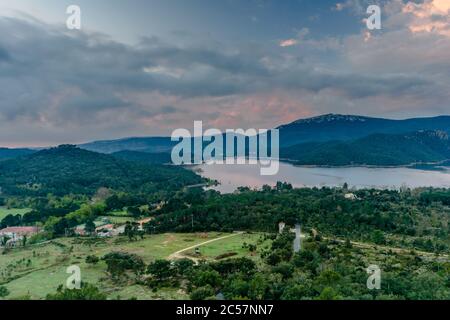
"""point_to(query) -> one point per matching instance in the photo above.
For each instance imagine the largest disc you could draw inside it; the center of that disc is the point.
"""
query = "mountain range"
(331, 139)
(331, 127)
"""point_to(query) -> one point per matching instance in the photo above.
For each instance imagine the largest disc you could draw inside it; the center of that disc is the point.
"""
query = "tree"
(24, 240)
(131, 230)
(86, 292)
(202, 293)
(134, 211)
(92, 259)
(183, 266)
(206, 276)
(286, 269)
(4, 292)
(329, 293)
(118, 263)
(89, 227)
(378, 237)
(11, 221)
(161, 270)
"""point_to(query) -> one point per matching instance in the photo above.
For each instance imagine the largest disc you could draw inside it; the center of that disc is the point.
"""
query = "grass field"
(231, 246)
(5, 211)
(39, 270)
(119, 220)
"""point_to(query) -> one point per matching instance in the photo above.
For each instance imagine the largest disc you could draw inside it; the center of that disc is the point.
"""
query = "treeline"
(376, 150)
(69, 170)
(403, 214)
(59, 215)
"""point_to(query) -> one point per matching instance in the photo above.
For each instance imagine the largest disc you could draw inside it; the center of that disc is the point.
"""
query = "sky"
(147, 67)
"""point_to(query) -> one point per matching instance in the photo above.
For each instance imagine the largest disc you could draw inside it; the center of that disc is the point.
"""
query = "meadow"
(4, 211)
(37, 270)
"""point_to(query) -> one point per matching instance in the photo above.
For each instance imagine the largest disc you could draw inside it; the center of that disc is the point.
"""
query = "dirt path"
(179, 254)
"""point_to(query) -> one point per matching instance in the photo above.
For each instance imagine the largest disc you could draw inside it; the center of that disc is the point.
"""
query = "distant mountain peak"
(331, 117)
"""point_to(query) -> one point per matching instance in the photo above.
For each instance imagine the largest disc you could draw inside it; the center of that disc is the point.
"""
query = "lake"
(233, 176)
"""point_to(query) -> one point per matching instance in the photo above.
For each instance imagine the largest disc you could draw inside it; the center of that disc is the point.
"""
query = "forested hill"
(68, 169)
(144, 144)
(144, 157)
(6, 153)
(350, 127)
(377, 149)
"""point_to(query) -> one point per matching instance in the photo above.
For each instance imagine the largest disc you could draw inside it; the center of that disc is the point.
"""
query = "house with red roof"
(16, 234)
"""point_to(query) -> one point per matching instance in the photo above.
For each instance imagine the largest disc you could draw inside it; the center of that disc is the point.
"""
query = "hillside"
(143, 157)
(348, 127)
(317, 129)
(149, 144)
(377, 149)
(68, 169)
(6, 153)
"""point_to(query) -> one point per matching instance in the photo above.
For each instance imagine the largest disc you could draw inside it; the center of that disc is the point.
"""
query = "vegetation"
(201, 244)
(407, 218)
(69, 170)
(377, 150)
(86, 292)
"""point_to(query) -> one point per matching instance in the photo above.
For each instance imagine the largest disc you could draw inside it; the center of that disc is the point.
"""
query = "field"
(229, 247)
(5, 211)
(38, 270)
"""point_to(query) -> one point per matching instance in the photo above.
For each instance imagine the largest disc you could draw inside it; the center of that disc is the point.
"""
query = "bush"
(86, 292)
(4, 292)
(202, 293)
(92, 259)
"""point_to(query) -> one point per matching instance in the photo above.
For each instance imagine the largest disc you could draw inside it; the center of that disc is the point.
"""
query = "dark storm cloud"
(4, 55)
(88, 73)
(52, 76)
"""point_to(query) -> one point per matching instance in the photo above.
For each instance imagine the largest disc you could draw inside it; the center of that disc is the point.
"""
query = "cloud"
(301, 34)
(288, 43)
(432, 16)
(58, 86)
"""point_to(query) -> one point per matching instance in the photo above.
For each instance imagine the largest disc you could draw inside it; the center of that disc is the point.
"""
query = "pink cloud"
(288, 43)
(424, 16)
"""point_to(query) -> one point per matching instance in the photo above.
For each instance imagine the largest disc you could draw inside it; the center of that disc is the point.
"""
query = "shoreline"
(436, 165)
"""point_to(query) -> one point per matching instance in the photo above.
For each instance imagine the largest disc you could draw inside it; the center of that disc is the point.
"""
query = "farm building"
(16, 234)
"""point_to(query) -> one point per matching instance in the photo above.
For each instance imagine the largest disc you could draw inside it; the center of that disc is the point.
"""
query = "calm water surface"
(233, 176)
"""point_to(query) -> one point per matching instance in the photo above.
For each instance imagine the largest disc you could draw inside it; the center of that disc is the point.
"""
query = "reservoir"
(233, 176)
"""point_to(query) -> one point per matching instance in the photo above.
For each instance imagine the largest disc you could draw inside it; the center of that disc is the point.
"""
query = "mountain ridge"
(374, 150)
(326, 127)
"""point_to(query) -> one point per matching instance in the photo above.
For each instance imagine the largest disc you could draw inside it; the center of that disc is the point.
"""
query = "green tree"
(4, 292)
(329, 293)
(131, 230)
(206, 276)
(86, 292)
(202, 293)
(89, 226)
(118, 263)
(161, 270)
(378, 237)
(92, 259)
